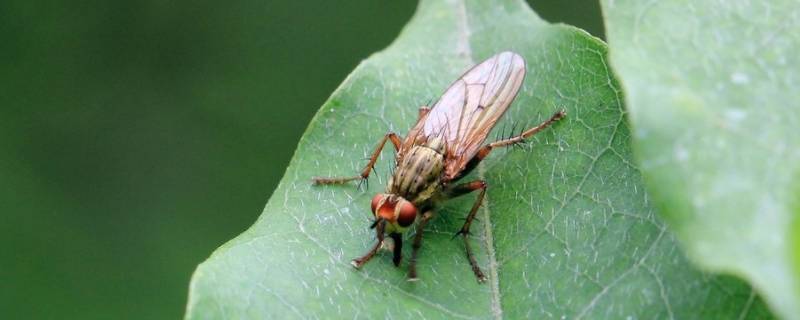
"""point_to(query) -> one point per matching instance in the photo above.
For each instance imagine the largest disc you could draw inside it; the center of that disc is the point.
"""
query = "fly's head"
(398, 212)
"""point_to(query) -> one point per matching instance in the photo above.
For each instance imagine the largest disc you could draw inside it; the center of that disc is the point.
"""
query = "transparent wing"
(470, 107)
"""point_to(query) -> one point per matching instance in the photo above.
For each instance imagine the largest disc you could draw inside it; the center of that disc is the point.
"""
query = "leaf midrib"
(494, 281)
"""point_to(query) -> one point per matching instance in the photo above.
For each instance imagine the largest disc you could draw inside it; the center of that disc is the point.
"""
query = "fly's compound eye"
(407, 214)
(376, 200)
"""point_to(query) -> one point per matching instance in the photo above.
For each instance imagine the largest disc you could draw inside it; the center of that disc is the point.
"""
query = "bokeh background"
(138, 136)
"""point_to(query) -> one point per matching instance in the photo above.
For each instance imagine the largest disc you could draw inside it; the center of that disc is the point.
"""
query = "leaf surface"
(567, 230)
(713, 96)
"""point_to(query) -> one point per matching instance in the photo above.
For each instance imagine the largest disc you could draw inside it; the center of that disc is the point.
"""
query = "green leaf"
(567, 230)
(714, 100)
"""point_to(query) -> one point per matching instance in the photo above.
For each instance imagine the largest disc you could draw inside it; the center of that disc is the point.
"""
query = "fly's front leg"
(527, 133)
(398, 248)
(360, 261)
(391, 136)
(412, 264)
(456, 191)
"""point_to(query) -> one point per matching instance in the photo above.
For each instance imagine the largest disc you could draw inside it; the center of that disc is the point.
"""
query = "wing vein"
(468, 110)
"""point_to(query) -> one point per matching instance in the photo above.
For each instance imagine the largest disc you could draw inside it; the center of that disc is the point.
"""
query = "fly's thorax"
(419, 172)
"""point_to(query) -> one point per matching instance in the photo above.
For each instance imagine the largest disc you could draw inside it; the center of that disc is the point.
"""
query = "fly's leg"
(398, 248)
(527, 133)
(391, 136)
(360, 261)
(423, 110)
(412, 264)
(476, 185)
(485, 150)
(461, 189)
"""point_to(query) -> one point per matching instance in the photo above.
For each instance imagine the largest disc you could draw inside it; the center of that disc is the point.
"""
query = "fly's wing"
(470, 107)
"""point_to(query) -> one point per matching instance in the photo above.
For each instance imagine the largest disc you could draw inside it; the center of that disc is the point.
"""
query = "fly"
(445, 144)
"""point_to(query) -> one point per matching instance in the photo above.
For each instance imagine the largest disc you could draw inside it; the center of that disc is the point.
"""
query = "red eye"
(375, 200)
(408, 213)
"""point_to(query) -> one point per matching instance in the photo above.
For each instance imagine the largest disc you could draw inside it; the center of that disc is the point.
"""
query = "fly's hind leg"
(462, 189)
(391, 136)
(527, 133)
(485, 150)
(468, 187)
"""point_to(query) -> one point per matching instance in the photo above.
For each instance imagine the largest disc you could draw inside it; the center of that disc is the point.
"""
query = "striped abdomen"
(418, 173)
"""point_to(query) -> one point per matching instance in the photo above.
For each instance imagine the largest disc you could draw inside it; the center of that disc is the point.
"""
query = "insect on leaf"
(567, 229)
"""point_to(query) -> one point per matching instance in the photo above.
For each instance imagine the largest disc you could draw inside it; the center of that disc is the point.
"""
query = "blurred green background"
(136, 137)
